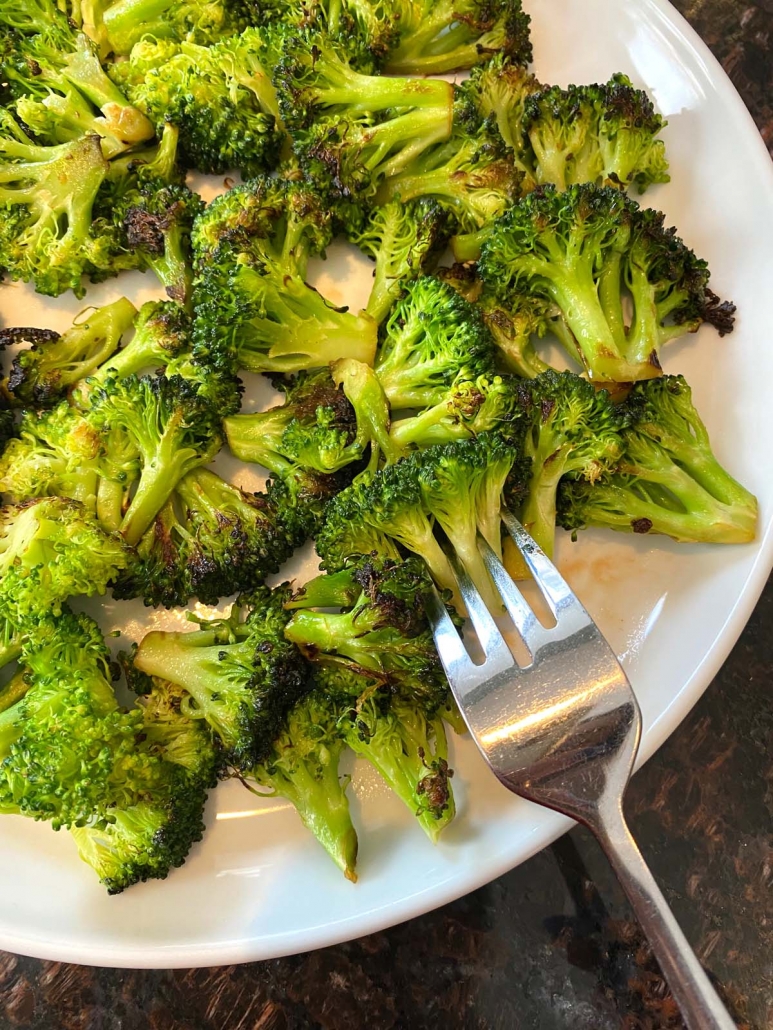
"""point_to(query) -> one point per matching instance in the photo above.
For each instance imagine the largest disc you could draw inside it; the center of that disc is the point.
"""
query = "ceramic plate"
(259, 886)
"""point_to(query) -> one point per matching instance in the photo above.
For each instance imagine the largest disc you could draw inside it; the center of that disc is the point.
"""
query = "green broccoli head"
(449, 36)
(668, 479)
(302, 766)
(52, 548)
(162, 334)
(432, 338)
(572, 430)
(160, 424)
(603, 134)
(583, 250)
(43, 373)
(220, 97)
(210, 540)
(254, 309)
(241, 674)
(405, 241)
(205, 22)
(499, 88)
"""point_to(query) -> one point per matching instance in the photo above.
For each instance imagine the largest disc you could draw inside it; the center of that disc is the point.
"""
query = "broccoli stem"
(466, 246)
(15, 689)
(365, 93)
(110, 497)
(159, 478)
(405, 137)
(83, 70)
(322, 804)
(331, 633)
(171, 268)
(127, 20)
(538, 514)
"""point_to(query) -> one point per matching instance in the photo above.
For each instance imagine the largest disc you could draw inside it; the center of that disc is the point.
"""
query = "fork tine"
(453, 654)
(556, 590)
(530, 629)
(492, 642)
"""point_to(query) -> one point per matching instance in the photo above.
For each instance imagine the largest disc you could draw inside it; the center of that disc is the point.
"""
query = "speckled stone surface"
(550, 946)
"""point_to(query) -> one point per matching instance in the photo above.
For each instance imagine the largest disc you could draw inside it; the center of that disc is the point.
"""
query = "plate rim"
(548, 826)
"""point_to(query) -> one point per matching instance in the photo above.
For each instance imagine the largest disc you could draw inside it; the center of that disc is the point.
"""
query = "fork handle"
(699, 1003)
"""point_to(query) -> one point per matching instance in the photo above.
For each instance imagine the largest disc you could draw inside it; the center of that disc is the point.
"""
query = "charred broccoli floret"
(210, 540)
(162, 333)
(254, 309)
(302, 766)
(582, 249)
(572, 430)
(42, 373)
(52, 548)
(448, 35)
(241, 674)
(127, 22)
(163, 428)
(667, 480)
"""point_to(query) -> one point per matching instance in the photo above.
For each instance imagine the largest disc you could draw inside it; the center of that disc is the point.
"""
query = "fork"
(564, 732)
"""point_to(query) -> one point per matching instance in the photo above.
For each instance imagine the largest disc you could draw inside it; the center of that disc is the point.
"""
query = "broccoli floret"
(514, 326)
(157, 224)
(603, 134)
(407, 746)
(573, 430)
(241, 675)
(219, 97)
(382, 632)
(470, 407)
(43, 373)
(405, 241)
(62, 93)
(432, 338)
(472, 175)
(580, 249)
(449, 35)
(302, 766)
(210, 540)
(55, 453)
(164, 426)
(254, 309)
(162, 332)
(46, 198)
(499, 89)
(52, 548)
(667, 480)
(378, 514)
(365, 393)
(206, 22)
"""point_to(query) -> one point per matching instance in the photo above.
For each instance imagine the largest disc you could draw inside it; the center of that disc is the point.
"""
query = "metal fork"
(564, 732)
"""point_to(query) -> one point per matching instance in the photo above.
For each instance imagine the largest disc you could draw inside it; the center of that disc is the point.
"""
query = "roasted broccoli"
(581, 249)
(432, 338)
(240, 673)
(51, 364)
(253, 307)
(667, 480)
(471, 175)
(448, 35)
(126, 22)
(52, 548)
(572, 430)
(162, 333)
(210, 540)
(161, 428)
(302, 766)
(220, 98)
(404, 240)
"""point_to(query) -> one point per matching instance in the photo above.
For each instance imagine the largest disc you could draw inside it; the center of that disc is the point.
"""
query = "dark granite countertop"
(551, 945)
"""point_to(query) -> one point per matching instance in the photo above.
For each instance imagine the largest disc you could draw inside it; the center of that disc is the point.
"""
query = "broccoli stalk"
(303, 767)
(43, 373)
(126, 22)
(364, 392)
(445, 36)
(161, 333)
(241, 674)
(667, 480)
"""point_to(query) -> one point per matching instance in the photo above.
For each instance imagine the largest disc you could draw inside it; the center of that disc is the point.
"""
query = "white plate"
(259, 886)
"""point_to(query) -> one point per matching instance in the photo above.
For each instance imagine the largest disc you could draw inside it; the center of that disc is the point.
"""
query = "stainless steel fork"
(564, 732)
